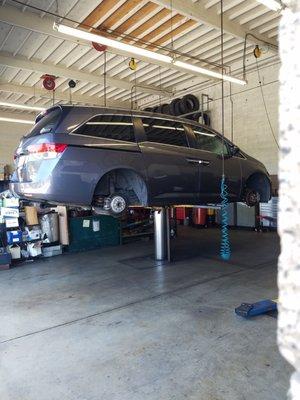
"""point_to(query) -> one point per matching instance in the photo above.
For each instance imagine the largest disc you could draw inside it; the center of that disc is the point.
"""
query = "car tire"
(177, 109)
(252, 197)
(173, 106)
(165, 109)
(189, 103)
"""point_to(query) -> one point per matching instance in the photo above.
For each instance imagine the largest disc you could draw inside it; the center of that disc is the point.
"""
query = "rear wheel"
(118, 204)
(252, 198)
(115, 205)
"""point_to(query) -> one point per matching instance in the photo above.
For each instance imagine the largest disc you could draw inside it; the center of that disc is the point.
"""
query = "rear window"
(116, 127)
(46, 123)
(165, 131)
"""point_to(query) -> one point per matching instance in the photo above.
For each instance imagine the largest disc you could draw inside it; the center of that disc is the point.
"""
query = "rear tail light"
(46, 150)
(47, 147)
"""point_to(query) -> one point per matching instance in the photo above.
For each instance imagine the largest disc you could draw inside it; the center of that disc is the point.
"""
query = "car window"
(117, 127)
(208, 141)
(165, 131)
(46, 122)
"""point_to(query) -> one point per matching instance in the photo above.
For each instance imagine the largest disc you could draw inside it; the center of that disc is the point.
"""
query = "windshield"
(46, 122)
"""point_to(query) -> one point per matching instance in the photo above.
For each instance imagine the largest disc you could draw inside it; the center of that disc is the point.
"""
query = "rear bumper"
(56, 190)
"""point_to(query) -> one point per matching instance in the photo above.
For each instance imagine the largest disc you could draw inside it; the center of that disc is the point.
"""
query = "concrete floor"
(109, 325)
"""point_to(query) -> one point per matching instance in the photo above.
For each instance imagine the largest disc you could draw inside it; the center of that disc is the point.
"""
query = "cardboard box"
(15, 252)
(31, 215)
(14, 236)
(5, 259)
(34, 249)
(51, 251)
(10, 212)
(33, 234)
(11, 222)
(10, 202)
(63, 225)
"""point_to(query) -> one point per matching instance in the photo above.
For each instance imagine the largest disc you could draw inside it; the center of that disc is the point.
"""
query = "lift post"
(162, 235)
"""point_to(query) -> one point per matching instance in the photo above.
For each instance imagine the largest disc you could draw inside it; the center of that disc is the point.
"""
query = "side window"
(117, 127)
(164, 131)
(208, 141)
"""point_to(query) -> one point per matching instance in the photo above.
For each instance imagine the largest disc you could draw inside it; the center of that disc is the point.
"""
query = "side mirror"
(234, 150)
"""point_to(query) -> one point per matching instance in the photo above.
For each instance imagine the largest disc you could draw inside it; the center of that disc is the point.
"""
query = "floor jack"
(247, 310)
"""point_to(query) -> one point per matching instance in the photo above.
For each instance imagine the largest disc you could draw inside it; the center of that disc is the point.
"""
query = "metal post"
(162, 235)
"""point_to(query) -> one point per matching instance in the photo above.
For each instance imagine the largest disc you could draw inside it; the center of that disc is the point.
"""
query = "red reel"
(48, 82)
(99, 47)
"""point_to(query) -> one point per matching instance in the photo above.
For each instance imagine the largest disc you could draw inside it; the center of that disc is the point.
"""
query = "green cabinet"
(87, 233)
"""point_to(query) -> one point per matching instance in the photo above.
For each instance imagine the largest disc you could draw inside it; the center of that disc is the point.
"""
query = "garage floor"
(107, 324)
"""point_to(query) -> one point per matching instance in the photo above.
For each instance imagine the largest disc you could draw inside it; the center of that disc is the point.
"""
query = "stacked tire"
(187, 104)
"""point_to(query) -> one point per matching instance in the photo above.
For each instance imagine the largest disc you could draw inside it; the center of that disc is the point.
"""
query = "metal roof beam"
(46, 68)
(59, 95)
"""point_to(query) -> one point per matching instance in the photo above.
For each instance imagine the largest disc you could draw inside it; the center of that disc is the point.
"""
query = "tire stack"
(185, 105)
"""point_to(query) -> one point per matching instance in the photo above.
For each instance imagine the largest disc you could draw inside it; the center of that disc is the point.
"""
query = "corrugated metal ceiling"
(142, 19)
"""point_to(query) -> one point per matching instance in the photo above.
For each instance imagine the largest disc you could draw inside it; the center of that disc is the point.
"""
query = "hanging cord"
(225, 251)
(171, 26)
(274, 47)
(160, 83)
(135, 90)
(265, 105)
(104, 78)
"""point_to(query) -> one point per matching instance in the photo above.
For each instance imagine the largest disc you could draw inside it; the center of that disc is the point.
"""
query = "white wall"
(251, 130)
(10, 135)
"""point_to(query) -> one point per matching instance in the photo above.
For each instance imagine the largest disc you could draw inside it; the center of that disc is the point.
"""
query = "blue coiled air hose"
(225, 251)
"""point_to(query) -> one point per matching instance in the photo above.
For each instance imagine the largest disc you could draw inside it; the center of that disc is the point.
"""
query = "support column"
(289, 200)
(162, 235)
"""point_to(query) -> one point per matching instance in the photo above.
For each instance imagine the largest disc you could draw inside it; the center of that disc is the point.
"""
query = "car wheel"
(252, 197)
(118, 204)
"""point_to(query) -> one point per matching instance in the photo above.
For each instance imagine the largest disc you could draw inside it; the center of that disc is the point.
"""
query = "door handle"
(197, 161)
(204, 162)
(192, 161)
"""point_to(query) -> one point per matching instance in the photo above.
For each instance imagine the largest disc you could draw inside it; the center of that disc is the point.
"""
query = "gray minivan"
(114, 158)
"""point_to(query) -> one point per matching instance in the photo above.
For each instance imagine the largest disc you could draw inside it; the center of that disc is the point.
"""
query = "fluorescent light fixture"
(115, 44)
(17, 120)
(208, 72)
(138, 51)
(272, 4)
(21, 106)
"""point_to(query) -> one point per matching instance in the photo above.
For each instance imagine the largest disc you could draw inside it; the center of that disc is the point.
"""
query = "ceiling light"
(208, 72)
(21, 106)
(19, 121)
(272, 4)
(115, 44)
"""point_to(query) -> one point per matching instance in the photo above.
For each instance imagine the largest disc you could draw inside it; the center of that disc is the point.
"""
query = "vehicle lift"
(162, 235)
